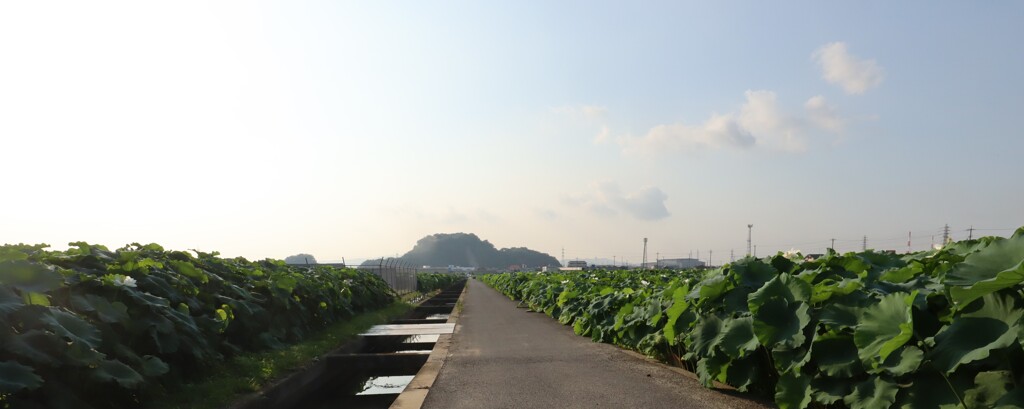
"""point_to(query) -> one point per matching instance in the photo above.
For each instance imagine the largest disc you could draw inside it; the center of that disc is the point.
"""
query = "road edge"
(416, 392)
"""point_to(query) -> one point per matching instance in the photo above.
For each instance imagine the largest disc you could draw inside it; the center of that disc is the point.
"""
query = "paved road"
(504, 357)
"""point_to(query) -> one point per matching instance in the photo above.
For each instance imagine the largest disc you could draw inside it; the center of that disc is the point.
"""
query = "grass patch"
(249, 372)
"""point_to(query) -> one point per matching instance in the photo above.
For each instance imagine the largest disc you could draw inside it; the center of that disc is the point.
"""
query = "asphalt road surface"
(505, 357)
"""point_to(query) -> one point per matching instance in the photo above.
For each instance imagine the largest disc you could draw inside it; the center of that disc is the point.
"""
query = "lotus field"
(90, 327)
(936, 329)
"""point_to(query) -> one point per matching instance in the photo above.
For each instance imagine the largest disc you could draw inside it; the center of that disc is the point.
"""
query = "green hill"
(466, 249)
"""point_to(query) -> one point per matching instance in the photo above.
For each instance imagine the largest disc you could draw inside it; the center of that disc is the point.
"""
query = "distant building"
(578, 263)
(681, 263)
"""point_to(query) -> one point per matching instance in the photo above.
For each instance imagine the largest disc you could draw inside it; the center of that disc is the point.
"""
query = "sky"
(352, 129)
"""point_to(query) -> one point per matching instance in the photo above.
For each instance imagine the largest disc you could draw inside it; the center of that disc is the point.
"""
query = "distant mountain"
(301, 258)
(467, 250)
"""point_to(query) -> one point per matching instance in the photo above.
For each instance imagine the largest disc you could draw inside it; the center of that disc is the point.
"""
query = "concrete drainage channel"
(389, 366)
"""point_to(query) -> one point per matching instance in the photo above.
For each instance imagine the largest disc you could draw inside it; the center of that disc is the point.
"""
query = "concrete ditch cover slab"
(410, 329)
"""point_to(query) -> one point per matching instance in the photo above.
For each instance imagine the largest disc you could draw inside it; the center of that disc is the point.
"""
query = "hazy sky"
(352, 129)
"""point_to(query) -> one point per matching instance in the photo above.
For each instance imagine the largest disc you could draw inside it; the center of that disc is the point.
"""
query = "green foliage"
(943, 328)
(427, 282)
(90, 327)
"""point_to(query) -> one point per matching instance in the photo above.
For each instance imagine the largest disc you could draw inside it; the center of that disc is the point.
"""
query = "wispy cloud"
(840, 67)
(607, 199)
(761, 116)
(591, 115)
(758, 122)
(823, 115)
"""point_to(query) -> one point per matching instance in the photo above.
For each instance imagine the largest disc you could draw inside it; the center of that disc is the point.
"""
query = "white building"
(681, 263)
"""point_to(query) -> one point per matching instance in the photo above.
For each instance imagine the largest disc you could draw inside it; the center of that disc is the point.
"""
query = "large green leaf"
(836, 356)
(621, 315)
(71, 327)
(791, 359)
(785, 287)
(712, 368)
(1011, 400)
(737, 337)
(873, 393)
(779, 322)
(930, 390)
(904, 361)
(793, 391)
(15, 377)
(753, 273)
(829, 390)
(9, 301)
(117, 371)
(989, 387)
(744, 373)
(998, 266)
(711, 288)
(844, 312)
(969, 339)
(828, 288)
(8, 253)
(37, 346)
(28, 276)
(153, 366)
(705, 335)
(884, 327)
(107, 311)
(989, 323)
(79, 354)
(187, 269)
(679, 305)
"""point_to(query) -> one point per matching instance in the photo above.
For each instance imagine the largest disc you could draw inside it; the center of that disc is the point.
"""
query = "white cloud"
(759, 122)
(823, 115)
(594, 112)
(607, 199)
(717, 132)
(603, 136)
(761, 116)
(840, 67)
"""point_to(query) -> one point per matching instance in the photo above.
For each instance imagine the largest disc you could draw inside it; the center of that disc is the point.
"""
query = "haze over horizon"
(355, 129)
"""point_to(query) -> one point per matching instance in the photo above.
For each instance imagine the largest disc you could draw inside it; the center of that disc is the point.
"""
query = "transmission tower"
(945, 235)
(750, 229)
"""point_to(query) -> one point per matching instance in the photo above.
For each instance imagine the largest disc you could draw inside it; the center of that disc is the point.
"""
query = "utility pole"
(657, 260)
(643, 264)
(755, 251)
(750, 229)
(833, 244)
(945, 235)
(614, 263)
(710, 254)
(864, 247)
(910, 237)
(970, 233)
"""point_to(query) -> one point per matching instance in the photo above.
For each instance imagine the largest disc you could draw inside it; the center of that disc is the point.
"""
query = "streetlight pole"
(750, 229)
